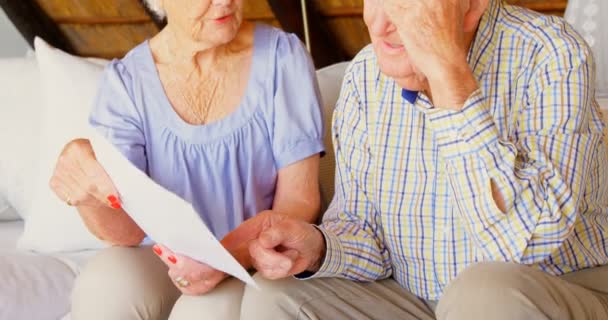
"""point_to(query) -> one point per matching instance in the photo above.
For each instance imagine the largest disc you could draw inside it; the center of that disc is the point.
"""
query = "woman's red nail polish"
(116, 205)
(172, 259)
(112, 198)
(157, 250)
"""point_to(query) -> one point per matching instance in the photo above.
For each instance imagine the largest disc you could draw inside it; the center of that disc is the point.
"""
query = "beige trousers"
(483, 291)
(132, 283)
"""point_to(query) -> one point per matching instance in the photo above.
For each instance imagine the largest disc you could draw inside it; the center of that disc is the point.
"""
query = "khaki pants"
(483, 291)
(132, 283)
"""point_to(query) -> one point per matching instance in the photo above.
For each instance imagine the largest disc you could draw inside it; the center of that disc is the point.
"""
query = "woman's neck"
(181, 53)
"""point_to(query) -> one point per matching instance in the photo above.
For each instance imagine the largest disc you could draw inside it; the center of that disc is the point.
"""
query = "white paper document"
(166, 218)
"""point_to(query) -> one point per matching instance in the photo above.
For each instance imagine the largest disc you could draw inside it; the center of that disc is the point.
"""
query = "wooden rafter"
(324, 48)
(32, 21)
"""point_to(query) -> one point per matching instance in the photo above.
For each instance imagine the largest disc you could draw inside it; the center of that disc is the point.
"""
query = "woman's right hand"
(79, 179)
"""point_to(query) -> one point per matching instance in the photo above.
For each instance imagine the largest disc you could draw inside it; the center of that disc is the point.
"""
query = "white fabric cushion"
(33, 286)
(20, 105)
(6, 212)
(69, 85)
(330, 82)
(9, 233)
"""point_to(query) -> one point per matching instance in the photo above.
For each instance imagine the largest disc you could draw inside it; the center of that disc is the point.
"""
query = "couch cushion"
(330, 82)
(7, 213)
(34, 286)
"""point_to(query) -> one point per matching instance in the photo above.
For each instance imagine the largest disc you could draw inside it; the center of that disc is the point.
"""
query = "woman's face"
(215, 22)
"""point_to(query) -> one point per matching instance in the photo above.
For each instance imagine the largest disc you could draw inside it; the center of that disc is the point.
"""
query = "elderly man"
(471, 171)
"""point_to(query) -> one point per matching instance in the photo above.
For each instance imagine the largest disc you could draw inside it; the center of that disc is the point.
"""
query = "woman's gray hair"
(154, 6)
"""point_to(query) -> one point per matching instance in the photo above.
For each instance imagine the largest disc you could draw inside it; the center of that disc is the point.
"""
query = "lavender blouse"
(227, 169)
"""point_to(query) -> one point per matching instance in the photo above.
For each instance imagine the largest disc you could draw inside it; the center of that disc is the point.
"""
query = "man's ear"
(476, 10)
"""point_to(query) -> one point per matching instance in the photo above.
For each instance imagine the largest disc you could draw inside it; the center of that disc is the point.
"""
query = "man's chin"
(411, 83)
(403, 75)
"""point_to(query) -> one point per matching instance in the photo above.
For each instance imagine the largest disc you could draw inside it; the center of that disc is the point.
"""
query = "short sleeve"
(114, 115)
(297, 117)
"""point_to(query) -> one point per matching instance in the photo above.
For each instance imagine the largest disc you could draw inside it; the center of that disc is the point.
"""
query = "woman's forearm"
(241, 254)
(111, 225)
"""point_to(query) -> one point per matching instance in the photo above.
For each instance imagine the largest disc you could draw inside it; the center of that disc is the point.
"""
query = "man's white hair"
(154, 6)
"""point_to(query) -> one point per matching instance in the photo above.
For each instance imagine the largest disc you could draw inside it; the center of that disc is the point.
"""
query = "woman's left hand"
(189, 276)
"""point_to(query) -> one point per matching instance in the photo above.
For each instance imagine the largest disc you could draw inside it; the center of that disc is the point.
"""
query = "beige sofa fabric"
(330, 80)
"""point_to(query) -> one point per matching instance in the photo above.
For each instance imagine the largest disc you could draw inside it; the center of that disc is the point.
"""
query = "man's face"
(391, 52)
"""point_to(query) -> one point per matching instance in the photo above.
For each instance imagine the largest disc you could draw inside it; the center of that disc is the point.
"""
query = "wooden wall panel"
(351, 33)
(110, 28)
(57, 9)
(257, 10)
(107, 41)
(545, 6)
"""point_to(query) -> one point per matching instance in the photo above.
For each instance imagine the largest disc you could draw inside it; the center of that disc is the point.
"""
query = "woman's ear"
(476, 10)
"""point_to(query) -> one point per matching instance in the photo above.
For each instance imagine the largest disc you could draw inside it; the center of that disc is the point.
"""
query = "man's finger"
(268, 260)
(292, 254)
(281, 233)
(250, 229)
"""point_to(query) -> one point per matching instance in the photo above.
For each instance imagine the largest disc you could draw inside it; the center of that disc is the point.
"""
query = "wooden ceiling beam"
(32, 21)
(101, 20)
(323, 46)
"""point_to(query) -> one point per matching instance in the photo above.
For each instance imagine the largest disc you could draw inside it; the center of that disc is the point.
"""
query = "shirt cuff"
(332, 263)
(467, 131)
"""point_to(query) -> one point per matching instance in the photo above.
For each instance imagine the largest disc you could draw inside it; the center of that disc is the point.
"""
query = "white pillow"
(7, 213)
(19, 129)
(69, 85)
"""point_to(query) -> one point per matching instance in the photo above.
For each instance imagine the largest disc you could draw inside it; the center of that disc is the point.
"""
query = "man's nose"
(221, 2)
(379, 23)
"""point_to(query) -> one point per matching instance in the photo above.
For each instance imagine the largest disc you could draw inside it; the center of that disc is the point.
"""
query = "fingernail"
(157, 250)
(172, 259)
(116, 205)
(112, 198)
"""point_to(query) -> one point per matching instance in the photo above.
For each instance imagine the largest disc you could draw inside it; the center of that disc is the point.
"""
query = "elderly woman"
(222, 112)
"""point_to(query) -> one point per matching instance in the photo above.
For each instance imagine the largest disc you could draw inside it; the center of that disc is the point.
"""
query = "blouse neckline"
(226, 125)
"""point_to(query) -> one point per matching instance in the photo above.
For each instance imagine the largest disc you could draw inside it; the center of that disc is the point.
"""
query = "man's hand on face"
(433, 33)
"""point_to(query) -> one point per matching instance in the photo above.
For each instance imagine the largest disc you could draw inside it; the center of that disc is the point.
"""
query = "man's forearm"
(453, 87)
